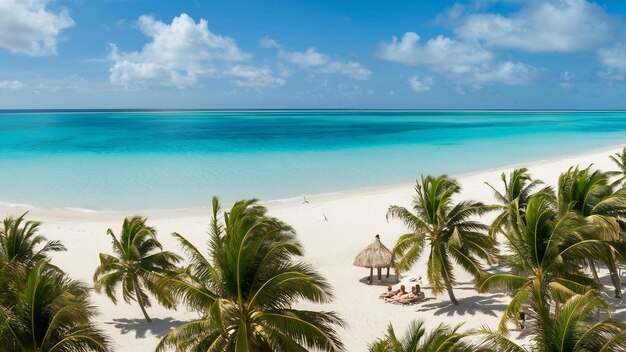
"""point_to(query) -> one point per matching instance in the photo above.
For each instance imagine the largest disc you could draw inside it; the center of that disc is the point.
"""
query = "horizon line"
(291, 109)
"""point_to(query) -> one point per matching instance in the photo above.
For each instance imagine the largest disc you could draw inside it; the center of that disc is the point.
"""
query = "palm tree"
(572, 329)
(449, 229)
(138, 263)
(51, 313)
(21, 246)
(620, 160)
(519, 186)
(20, 241)
(442, 338)
(246, 290)
(545, 250)
(591, 195)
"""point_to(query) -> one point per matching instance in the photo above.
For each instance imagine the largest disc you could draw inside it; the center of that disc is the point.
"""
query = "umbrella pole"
(387, 272)
(371, 274)
(378, 271)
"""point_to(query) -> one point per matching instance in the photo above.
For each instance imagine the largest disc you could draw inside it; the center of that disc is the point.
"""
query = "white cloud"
(541, 26)
(613, 60)
(255, 77)
(441, 53)
(317, 62)
(305, 59)
(11, 85)
(267, 42)
(507, 72)
(466, 63)
(421, 84)
(351, 69)
(29, 27)
(614, 57)
(181, 53)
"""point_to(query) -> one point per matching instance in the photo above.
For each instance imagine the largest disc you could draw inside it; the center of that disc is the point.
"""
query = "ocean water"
(166, 160)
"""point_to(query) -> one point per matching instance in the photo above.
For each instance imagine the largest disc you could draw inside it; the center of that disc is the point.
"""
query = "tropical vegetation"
(573, 328)
(450, 231)
(247, 286)
(416, 339)
(545, 248)
(139, 261)
(41, 308)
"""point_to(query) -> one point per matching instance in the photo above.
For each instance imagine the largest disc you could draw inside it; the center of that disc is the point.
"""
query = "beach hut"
(376, 255)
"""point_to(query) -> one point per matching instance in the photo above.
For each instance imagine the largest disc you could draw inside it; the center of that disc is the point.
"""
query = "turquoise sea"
(112, 160)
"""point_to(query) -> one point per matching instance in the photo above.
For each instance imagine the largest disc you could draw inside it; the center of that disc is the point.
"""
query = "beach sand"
(353, 218)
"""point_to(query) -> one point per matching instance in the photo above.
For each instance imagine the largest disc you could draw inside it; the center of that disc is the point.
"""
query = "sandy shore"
(354, 217)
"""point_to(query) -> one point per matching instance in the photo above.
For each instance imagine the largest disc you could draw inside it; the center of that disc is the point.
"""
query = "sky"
(205, 54)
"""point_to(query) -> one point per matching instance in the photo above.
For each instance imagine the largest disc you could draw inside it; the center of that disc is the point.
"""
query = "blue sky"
(531, 54)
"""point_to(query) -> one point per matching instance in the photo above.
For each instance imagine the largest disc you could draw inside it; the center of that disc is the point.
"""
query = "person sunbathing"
(402, 294)
(416, 295)
(418, 292)
(393, 295)
(390, 292)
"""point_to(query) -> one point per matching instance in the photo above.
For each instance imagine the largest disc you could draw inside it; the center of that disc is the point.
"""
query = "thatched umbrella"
(376, 255)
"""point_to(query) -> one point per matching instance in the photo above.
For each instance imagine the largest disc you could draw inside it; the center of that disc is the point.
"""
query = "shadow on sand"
(391, 280)
(471, 305)
(158, 327)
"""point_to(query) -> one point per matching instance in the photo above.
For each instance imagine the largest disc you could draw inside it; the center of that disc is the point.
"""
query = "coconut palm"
(572, 329)
(545, 248)
(519, 186)
(590, 194)
(51, 313)
(441, 338)
(245, 290)
(620, 160)
(21, 246)
(138, 263)
(449, 229)
(20, 241)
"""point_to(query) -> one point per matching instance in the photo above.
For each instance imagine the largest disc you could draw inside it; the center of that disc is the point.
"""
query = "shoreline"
(10, 208)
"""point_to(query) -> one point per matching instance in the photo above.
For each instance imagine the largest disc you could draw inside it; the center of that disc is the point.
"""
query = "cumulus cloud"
(28, 27)
(181, 53)
(12, 85)
(421, 84)
(311, 59)
(540, 26)
(442, 53)
(467, 63)
(308, 58)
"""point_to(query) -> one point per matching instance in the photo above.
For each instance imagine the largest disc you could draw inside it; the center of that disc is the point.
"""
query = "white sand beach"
(353, 219)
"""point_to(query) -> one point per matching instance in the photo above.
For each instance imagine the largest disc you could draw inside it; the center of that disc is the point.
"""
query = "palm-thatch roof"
(376, 255)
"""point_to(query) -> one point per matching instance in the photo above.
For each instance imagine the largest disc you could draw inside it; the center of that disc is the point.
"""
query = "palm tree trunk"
(594, 272)
(615, 279)
(449, 289)
(140, 300)
(446, 280)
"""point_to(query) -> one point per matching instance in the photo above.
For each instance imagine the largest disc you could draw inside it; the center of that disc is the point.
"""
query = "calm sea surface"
(163, 160)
